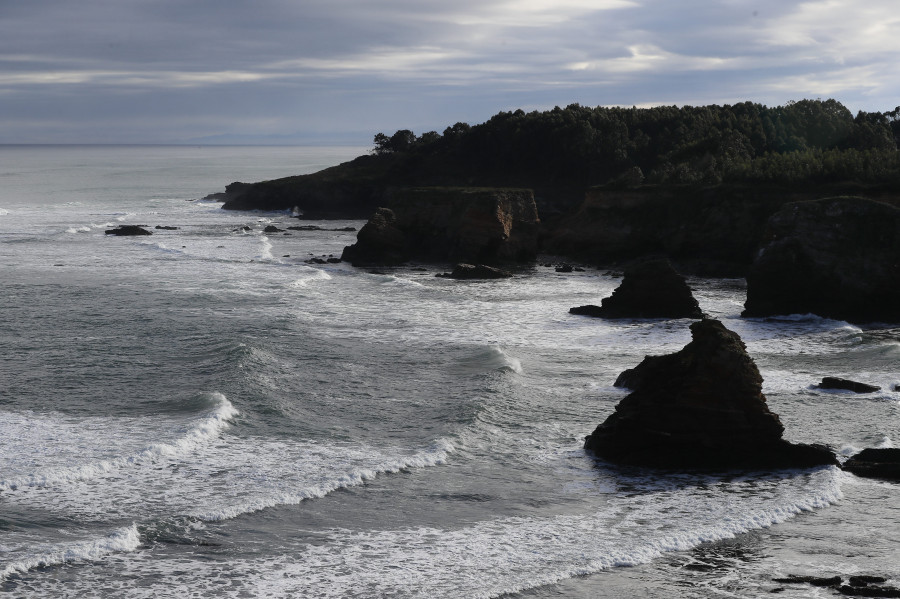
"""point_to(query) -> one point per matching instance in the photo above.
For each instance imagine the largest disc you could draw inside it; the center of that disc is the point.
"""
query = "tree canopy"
(805, 141)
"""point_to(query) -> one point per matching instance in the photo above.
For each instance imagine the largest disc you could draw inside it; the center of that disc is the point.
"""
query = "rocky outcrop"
(876, 463)
(650, 289)
(128, 230)
(475, 271)
(477, 225)
(379, 242)
(701, 407)
(837, 258)
(830, 382)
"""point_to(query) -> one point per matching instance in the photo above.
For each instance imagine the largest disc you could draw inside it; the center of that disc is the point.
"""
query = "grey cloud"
(170, 70)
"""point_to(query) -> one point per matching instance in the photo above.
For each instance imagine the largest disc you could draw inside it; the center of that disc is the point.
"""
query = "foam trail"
(435, 455)
(498, 557)
(122, 540)
(202, 430)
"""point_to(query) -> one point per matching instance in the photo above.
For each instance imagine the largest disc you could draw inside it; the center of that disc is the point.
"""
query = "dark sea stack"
(128, 230)
(650, 289)
(830, 382)
(476, 271)
(699, 408)
(379, 242)
(875, 463)
(588, 310)
(837, 258)
(459, 224)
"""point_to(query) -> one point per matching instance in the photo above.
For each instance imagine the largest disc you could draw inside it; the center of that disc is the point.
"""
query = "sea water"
(202, 413)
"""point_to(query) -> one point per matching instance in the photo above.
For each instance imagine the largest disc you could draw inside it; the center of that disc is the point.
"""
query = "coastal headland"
(704, 187)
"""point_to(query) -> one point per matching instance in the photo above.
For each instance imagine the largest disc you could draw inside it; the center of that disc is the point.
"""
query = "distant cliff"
(349, 190)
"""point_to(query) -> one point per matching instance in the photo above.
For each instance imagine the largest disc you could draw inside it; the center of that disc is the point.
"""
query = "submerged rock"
(836, 257)
(475, 271)
(816, 581)
(830, 382)
(876, 463)
(128, 230)
(650, 289)
(701, 407)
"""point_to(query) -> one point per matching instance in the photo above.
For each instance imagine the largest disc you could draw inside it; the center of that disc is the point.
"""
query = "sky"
(339, 71)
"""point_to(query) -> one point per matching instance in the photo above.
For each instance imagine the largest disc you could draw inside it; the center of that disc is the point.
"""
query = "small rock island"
(650, 289)
(699, 408)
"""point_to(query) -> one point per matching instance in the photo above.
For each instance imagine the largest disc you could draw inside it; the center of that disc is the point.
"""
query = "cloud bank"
(108, 71)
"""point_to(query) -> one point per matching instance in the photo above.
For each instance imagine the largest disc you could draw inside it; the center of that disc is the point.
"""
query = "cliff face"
(838, 258)
(482, 225)
(714, 231)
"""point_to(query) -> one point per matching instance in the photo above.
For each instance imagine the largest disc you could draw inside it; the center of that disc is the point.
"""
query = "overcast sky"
(338, 71)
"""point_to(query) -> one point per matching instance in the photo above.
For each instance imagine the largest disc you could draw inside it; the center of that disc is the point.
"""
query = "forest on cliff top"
(808, 141)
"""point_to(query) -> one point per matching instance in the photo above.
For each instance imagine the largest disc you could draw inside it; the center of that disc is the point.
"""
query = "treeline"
(809, 141)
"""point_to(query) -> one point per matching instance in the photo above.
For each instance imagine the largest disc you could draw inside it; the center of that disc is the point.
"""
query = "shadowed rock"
(379, 242)
(475, 271)
(128, 230)
(876, 463)
(701, 407)
(837, 257)
(650, 289)
(830, 382)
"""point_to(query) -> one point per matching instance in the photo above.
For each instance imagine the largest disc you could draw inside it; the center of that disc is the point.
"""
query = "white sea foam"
(265, 250)
(196, 433)
(311, 275)
(328, 479)
(122, 540)
(492, 358)
(507, 555)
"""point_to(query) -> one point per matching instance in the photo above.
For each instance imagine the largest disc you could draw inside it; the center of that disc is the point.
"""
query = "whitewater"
(201, 412)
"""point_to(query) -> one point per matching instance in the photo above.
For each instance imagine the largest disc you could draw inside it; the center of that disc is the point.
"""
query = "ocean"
(202, 413)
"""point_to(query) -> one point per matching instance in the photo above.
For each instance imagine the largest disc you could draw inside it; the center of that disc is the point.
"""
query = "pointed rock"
(650, 289)
(701, 407)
